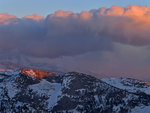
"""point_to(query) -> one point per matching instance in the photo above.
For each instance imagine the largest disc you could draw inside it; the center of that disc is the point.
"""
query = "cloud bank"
(69, 34)
(66, 33)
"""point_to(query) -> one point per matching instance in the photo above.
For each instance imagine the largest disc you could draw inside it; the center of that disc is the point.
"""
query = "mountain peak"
(35, 73)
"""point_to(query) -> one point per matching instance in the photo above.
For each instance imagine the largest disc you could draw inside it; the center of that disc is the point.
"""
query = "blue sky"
(45, 7)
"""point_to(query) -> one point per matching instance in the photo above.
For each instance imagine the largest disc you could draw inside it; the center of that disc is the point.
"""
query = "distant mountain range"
(36, 91)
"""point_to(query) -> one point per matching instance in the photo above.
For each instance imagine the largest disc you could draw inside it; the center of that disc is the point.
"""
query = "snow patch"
(67, 80)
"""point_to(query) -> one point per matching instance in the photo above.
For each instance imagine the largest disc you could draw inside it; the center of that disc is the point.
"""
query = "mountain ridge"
(67, 92)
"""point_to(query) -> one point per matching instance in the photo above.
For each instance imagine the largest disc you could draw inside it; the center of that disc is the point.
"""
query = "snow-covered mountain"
(33, 91)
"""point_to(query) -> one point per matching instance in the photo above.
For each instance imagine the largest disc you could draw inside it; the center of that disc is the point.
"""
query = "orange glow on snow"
(36, 73)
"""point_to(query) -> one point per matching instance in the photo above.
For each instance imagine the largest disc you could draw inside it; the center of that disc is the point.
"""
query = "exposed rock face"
(71, 92)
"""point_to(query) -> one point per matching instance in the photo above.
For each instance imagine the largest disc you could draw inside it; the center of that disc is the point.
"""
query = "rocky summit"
(36, 91)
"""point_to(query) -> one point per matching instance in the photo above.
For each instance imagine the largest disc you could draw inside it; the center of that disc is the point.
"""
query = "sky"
(21, 8)
(105, 38)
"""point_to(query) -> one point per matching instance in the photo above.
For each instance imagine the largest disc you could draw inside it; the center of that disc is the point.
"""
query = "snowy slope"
(43, 87)
(141, 109)
(131, 85)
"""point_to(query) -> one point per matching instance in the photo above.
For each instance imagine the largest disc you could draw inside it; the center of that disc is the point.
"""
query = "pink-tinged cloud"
(34, 17)
(137, 13)
(86, 15)
(5, 18)
(61, 13)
